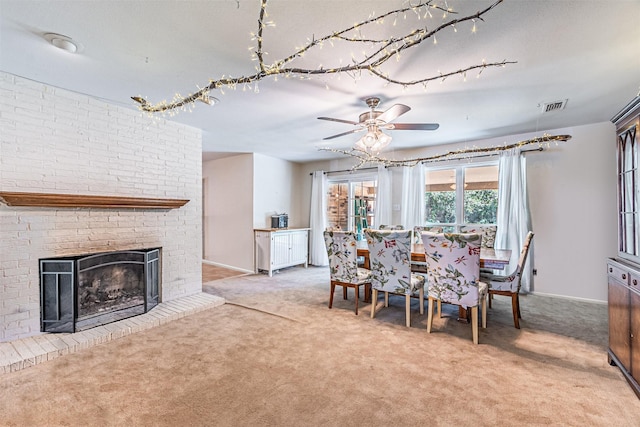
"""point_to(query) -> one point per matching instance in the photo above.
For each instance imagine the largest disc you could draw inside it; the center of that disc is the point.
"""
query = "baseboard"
(230, 267)
(594, 301)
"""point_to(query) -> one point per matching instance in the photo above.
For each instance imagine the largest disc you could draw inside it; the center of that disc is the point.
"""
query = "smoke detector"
(62, 42)
(550, 107)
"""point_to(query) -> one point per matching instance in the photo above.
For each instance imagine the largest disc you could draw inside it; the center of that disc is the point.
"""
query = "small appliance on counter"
(280, 221)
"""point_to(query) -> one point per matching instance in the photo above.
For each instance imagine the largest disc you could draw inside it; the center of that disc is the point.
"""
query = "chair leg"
(421, 298)
(333, 288)
(367, 292)
(430, 315)
(515, 309)
(407, 304)
(439, 308)
(474, 323)
(518, 300)
(356, 287)
(344, 292)
(490, 296)
(484, 311)
(386, 299)
(374, 300)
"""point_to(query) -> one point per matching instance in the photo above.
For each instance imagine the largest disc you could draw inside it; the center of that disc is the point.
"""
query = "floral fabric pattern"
(391, 227)
(418, 229)
(390, 262)
(342, 252)
(453, 268)
(488, 233)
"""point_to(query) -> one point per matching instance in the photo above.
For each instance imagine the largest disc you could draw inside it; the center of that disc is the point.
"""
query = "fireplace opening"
(79, 293)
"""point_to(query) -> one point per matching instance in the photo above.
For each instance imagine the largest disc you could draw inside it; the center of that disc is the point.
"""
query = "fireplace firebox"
(78, 293)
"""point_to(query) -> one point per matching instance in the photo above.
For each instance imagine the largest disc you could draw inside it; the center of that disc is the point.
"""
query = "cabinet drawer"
(619, 274)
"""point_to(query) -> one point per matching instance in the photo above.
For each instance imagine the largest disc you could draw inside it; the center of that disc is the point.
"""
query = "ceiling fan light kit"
(373, 121)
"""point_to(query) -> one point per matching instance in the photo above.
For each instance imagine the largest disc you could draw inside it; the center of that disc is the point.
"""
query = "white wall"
(573, 209)
(572, 194)
(229, 211)
(275, 184)
(242, 192)
(54, 141)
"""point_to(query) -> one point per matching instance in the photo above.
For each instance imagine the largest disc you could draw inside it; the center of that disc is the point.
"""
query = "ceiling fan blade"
(338, 120)
(393, 112)
(343, 133)
(414, 126)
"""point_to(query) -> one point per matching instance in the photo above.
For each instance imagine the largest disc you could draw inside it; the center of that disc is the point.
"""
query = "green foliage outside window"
(441, 207)
(481, 206)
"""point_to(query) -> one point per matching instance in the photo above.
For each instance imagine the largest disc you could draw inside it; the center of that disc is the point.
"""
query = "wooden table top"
(491, 258)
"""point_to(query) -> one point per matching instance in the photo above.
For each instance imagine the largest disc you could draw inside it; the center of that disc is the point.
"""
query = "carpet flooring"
(275, 355)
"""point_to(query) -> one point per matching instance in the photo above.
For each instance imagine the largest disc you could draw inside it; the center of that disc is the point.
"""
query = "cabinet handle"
(624, 276)
(635, 282)
(610, 270)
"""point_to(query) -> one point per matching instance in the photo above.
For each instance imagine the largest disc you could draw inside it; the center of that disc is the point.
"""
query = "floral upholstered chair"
(453, 273)
(390, 263)
(418, 229)
(391, 227)
(510, 285)
(488, 233)
(343, 266)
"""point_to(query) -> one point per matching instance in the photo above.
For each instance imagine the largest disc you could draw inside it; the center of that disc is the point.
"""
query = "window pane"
(481, 195)
(440, 196)
(337, 205)
(364, 197)
(351, 205)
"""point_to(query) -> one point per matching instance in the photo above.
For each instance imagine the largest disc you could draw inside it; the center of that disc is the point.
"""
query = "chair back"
(390, 260)
(342, 253)
(523, 258)
(488, 233)
(391, 227)
(453, 267)
(417, 238)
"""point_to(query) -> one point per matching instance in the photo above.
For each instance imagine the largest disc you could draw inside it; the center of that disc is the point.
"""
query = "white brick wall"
(55, 141)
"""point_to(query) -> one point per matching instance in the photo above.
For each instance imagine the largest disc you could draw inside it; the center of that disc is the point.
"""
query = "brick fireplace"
(58, 142)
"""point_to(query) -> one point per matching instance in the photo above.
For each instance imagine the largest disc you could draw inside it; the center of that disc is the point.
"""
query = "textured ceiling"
(585, 51)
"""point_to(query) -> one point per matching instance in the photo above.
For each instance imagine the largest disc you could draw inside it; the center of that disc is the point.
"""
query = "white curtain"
(413, 188)
(383, 209)
(318, 219)
(514, 221)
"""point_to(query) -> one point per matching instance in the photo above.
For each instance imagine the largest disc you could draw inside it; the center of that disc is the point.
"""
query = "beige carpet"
(275, 355)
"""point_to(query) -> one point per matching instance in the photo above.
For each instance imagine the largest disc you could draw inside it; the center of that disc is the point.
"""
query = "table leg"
(463, 314)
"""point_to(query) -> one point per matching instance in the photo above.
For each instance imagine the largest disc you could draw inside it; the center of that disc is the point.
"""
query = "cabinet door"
(628, 207)
(635, 335)
(619, 320)
(280, 250)
(299, 247)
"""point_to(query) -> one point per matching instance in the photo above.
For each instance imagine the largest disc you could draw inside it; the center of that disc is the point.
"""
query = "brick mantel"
(86, 201)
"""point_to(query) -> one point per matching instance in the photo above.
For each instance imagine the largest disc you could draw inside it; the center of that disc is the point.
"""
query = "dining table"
(490, 258)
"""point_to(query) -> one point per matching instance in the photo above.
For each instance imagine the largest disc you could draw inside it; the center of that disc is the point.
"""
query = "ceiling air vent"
(553, 106)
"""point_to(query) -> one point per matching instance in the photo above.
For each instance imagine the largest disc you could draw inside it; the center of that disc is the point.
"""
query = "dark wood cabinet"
(624, 319)
(624, 271)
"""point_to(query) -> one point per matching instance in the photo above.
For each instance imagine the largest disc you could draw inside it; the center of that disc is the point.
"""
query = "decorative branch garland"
(365, 158)
(386, 49)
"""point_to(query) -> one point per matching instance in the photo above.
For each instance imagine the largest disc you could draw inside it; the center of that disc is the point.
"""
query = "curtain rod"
(484, 155)
(349, 170)
(436, 161)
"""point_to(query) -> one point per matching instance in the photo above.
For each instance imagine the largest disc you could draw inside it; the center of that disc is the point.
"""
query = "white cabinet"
(280, 248)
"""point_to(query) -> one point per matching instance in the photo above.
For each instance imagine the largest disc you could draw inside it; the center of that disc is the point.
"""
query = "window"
(351, 203)
(461, 195)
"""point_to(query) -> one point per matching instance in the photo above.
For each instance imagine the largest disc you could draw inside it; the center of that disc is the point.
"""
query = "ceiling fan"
(375, 121)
